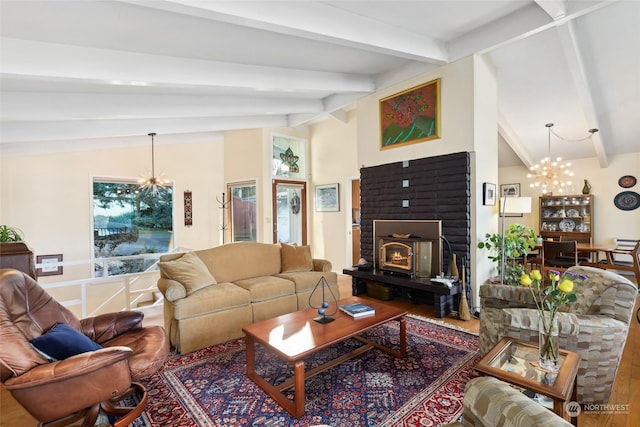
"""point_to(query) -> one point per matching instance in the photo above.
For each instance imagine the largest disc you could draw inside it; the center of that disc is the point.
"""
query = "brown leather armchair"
(60, 392)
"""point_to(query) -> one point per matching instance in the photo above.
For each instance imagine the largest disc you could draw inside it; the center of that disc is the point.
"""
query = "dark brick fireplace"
(432, 188)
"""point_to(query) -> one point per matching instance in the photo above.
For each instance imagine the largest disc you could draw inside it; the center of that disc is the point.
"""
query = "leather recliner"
(64, 391)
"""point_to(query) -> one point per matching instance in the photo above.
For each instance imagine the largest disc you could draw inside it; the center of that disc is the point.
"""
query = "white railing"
(126, 285)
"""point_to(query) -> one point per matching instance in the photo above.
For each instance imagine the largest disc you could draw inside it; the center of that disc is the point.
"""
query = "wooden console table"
(443, 296)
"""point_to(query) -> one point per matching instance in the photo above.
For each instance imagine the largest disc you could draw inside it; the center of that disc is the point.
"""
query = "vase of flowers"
(549, 359)
(548, 300)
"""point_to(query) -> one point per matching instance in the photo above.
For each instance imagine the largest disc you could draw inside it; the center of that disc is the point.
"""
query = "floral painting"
(410, 116)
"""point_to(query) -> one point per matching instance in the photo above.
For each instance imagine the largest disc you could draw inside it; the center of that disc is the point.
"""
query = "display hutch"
(567, 217)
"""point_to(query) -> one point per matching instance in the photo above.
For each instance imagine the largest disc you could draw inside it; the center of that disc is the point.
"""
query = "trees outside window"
(129, 221)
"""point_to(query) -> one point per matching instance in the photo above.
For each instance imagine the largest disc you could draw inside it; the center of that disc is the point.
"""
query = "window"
(289, 157)
(129, 221)
(243, 213)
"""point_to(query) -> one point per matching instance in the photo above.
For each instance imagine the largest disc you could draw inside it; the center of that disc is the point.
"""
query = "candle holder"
(322, 309)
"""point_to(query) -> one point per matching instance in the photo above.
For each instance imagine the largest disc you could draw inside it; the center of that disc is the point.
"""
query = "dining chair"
(559, 255)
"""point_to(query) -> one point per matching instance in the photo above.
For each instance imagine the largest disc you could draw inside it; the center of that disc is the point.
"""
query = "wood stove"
(410, 256)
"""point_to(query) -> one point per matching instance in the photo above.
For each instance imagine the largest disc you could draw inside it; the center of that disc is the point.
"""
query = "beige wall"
(333, 158)
(49, 197)
(609, 221)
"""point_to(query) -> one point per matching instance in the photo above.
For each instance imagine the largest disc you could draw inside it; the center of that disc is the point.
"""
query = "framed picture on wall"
(411, 116)
(510, 190)
(488, 194)
(49, 267)
(327, 198)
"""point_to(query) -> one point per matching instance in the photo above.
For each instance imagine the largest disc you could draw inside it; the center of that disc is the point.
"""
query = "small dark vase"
(587, 187)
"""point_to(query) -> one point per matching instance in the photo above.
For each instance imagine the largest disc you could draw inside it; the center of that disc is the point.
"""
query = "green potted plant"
(14, 251)
(518, 241)
(9, 234)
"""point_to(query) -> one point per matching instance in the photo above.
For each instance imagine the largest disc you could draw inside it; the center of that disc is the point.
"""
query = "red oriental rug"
(209, 387)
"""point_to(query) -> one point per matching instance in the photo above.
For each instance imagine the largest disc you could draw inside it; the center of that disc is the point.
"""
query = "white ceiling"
(97, 74)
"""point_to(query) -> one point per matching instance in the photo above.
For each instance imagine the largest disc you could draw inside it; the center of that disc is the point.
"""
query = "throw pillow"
(63, 341)
(189, 270)
(296, 258)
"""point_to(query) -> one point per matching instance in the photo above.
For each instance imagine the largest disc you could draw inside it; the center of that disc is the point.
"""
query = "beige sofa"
(210, 294)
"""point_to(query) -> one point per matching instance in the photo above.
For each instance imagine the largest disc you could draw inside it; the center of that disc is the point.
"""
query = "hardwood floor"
(626, 389)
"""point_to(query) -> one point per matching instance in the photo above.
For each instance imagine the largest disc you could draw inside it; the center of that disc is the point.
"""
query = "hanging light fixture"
(553, 176)
(152, 183)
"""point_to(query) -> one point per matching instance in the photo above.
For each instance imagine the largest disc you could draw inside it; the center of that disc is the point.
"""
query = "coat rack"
(223, 204)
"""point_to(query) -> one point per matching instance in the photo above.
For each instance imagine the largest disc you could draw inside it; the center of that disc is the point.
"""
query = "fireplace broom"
(463, 310)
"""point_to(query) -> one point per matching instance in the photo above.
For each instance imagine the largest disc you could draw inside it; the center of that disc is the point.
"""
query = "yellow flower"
(566, 286)
(525, 280)
(553, 276)
(535, 275)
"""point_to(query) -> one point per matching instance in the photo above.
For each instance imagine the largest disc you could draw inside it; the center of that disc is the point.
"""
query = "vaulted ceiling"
(96, 74)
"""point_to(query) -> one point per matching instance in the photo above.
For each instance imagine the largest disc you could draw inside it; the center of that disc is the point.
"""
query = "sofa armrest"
(321, 265)
(491, 402)
(171, 289)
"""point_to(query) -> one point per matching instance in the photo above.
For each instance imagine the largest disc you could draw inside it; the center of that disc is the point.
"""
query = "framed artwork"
(488, 194)
(327, 198)
(46, 270)
(411, 116)
(510, 190)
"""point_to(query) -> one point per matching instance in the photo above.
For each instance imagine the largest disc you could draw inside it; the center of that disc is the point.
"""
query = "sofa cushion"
(242, 260)
(222, 296)
(296, 258)
(267, 287)
(189, 270)
(306, 281)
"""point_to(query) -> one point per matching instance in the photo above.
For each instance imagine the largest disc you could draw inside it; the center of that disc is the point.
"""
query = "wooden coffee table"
(295, 336)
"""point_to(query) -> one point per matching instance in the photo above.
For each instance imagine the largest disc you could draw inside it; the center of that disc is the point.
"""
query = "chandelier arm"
(591, 132)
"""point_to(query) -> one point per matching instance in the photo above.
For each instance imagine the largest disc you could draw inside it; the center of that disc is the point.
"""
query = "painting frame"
(49, 271)
(511, 190)
(328, 198)
(410, 116)
(488, 194)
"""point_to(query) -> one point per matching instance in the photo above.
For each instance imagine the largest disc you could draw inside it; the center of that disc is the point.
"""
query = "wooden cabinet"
(567, 217)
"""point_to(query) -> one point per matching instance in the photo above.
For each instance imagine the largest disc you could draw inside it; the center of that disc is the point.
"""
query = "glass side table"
(515, 361)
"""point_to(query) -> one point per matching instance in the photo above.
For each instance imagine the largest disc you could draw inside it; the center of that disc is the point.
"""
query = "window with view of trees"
(129, 221)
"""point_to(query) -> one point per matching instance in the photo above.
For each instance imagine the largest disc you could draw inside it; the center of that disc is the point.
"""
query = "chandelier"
(152, 184)
(553, 176)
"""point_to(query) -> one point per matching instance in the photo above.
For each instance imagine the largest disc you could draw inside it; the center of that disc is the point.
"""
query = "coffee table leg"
(298, 377)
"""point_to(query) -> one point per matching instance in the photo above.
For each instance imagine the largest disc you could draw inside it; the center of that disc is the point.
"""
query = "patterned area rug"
(209, 387)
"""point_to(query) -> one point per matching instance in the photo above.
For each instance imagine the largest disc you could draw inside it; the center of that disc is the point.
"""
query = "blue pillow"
(63, 341)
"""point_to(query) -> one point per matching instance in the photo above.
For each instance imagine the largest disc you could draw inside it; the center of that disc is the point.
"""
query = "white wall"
(456, 106)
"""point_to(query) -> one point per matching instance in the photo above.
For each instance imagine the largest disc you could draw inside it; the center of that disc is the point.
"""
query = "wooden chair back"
(559, 255)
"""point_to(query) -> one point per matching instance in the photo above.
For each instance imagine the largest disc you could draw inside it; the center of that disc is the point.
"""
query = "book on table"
(357, 309)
